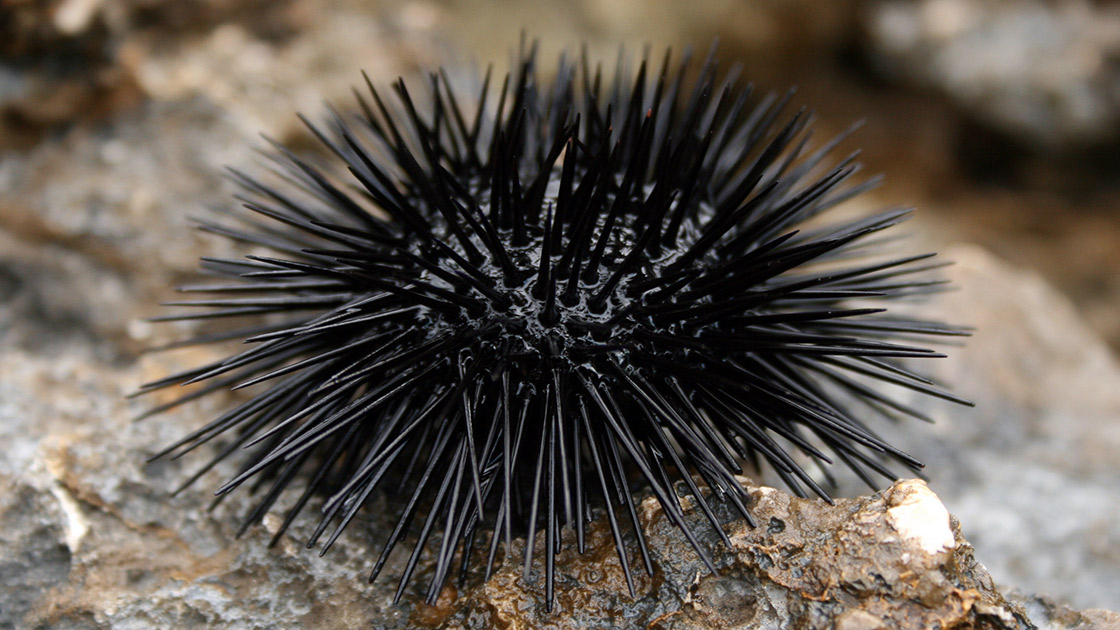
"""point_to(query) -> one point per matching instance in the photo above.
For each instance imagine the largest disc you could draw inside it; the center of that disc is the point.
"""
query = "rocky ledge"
(85, 548)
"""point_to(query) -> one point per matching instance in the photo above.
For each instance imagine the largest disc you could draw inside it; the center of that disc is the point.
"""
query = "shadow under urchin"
(518, 311)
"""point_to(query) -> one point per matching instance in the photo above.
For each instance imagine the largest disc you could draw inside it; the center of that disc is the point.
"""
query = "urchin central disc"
(553, 290)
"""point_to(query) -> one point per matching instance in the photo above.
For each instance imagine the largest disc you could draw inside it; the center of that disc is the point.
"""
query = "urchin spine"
(504, 317)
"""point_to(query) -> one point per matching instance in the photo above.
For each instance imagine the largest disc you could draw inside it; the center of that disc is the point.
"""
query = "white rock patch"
(920, 517)
(77, 525)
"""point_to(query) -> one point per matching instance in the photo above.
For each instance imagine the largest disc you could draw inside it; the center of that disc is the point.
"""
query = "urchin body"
(513, 316)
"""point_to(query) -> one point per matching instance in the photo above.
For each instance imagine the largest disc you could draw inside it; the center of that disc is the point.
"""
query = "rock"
(107, 547)
(134, 184)
(1033, 466)
(893, 560)
(57, 66)
(94, 230)
(1031, 470)
(72, 252)
(93, 538)
(1040, 71)
(261, 82)
(84, 61)
(36, 556)
(1040, 384)
(1046, 613)
(101, 543)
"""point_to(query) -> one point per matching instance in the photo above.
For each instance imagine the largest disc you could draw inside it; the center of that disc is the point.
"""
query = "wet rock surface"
(894, 558)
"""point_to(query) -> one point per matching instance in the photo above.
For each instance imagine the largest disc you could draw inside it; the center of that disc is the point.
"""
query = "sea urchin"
(509, 316)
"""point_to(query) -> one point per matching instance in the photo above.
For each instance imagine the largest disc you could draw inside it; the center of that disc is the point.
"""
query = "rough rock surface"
(1049, 615)
(93, 540)
(107, 548)
(1033, 466)
(1042, 71)
(894, 559)
(87, 61)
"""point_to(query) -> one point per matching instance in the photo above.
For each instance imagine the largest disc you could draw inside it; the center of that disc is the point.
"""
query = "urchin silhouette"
(510, 317)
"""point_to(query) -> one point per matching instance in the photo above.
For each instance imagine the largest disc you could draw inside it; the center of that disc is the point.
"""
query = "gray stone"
(36, 557)
(100, 544)
(1041, 71)
(1031, 471)
(1049, 615)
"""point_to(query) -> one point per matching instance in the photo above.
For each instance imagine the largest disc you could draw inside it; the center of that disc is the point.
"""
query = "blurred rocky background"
(999, 119)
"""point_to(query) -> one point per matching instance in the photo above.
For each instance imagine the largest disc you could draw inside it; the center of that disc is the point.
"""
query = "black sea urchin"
(508, 315)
